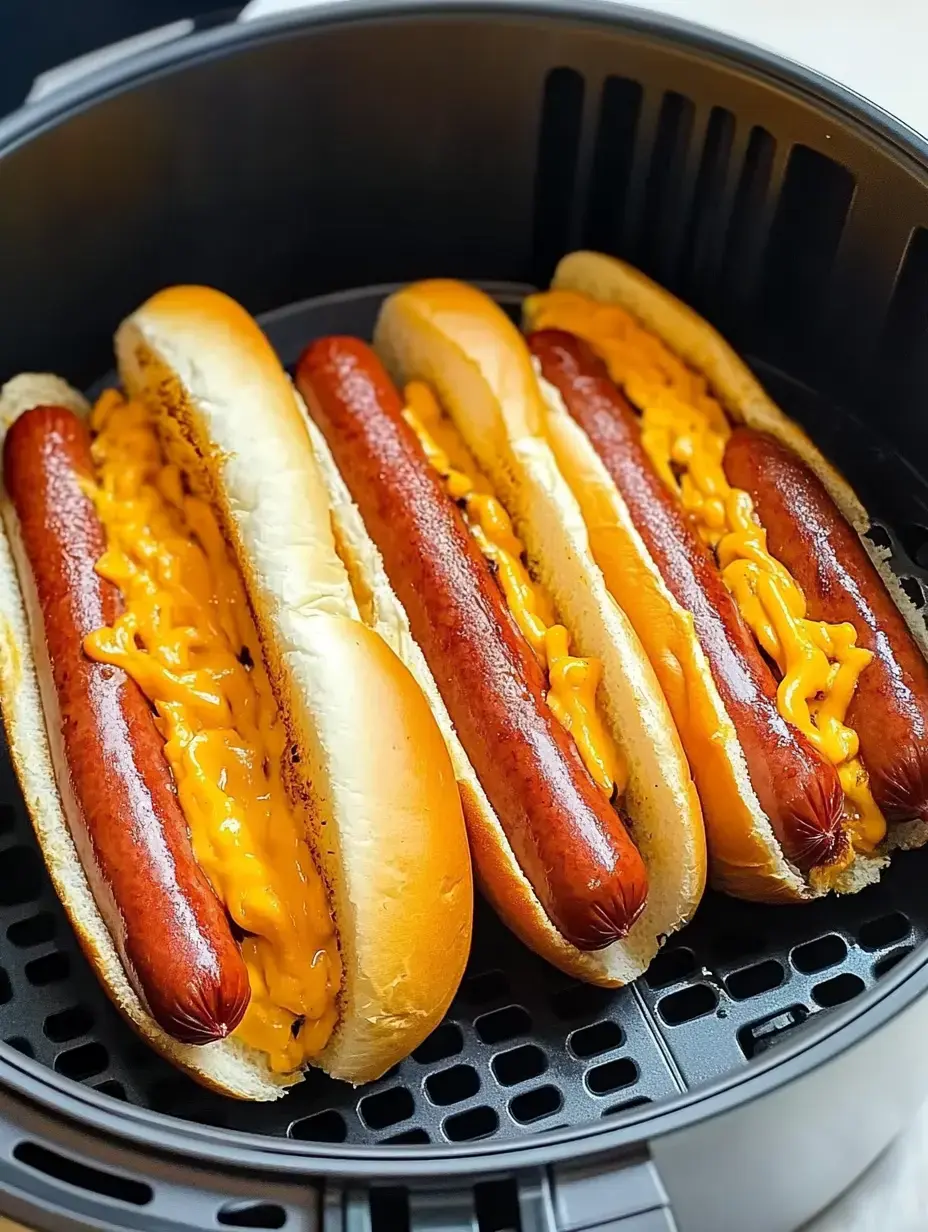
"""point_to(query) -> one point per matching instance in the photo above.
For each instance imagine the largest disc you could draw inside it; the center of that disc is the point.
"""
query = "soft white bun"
(745, 857)
(372, 764)
(464, 346)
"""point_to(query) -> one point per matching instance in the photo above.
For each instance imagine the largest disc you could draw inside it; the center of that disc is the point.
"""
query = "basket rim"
(145, 1130)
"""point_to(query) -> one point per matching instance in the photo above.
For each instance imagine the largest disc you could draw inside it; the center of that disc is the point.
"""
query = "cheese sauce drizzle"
(188, 639)
(684, 431)
(572, 681)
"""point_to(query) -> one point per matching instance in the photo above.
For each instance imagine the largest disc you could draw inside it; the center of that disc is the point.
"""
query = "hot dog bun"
(746, 859)
(463, 345)
(368, 759)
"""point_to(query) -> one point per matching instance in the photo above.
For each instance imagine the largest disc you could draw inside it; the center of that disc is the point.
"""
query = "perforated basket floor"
(523, 1048)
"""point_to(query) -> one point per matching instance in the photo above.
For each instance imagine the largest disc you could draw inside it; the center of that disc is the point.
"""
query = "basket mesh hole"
(687, 1004)
(503, 1024)
(49, 969)
(581, 1001)
(328, 1126)
(496, 1205)
(886, 930)
(20, 876)
(389, 1207)
(533, 1105)
(21, 1045)
(467, 1126)
(729, 946)
(819, 954)
(81, 1176)
(34, 930)
(251, 1215)
(838, 990)
(890, 960)
(168, 1094)
(82, 1062)
(879, 535)
(68, 1024)
(486, 987)
(450, 1086)
(914, 589)
(387, 1108)
(409, 1137)
(625, 1104)
(612, 1076)
(671, 966)
(914, 538)
(445, 1041)
(519, 1065)
(112, 1088)
(6, 988)
(599, 1038)
(751, 981)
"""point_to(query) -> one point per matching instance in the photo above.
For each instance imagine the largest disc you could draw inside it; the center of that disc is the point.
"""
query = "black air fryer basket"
(305, 166)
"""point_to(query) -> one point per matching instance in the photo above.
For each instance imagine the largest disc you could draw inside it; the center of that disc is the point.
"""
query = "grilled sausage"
(568, 840)
(169, 928)
(809, 535)
(797, 788)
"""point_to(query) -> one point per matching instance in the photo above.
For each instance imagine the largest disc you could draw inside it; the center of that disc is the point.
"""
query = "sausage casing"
(170, 930)
(808, 533)
(569, 841)
(797, 788)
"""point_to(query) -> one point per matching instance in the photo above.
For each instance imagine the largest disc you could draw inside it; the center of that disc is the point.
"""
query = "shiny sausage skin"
(808, 533)
(797, 788)
(169, 928)
(568, 840)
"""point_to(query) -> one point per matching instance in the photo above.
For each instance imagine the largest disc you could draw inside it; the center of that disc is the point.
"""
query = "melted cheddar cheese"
(572, 681)
(684, 431)
(188, 639)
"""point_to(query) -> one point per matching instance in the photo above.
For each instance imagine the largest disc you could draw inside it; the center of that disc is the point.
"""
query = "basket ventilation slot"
(613, 156)
(810, 216)
(901, 369)
(558, 144)
(79, 1175)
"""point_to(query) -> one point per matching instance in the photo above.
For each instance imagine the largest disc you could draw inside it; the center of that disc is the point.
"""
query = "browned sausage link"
(808, 533)
(797, 788)
(568, 840)
(131, 836)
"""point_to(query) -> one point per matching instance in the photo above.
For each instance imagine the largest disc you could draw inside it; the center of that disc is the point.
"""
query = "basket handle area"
(624, 1195)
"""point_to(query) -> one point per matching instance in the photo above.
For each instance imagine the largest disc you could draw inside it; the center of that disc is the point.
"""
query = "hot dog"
(169, 927)
(583, 819)
(567, 838)
(808, 533)
(724, 534)
(241, 795)
(798, 790)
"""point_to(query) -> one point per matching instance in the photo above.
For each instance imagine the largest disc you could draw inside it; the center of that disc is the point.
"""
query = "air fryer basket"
(359, 148)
